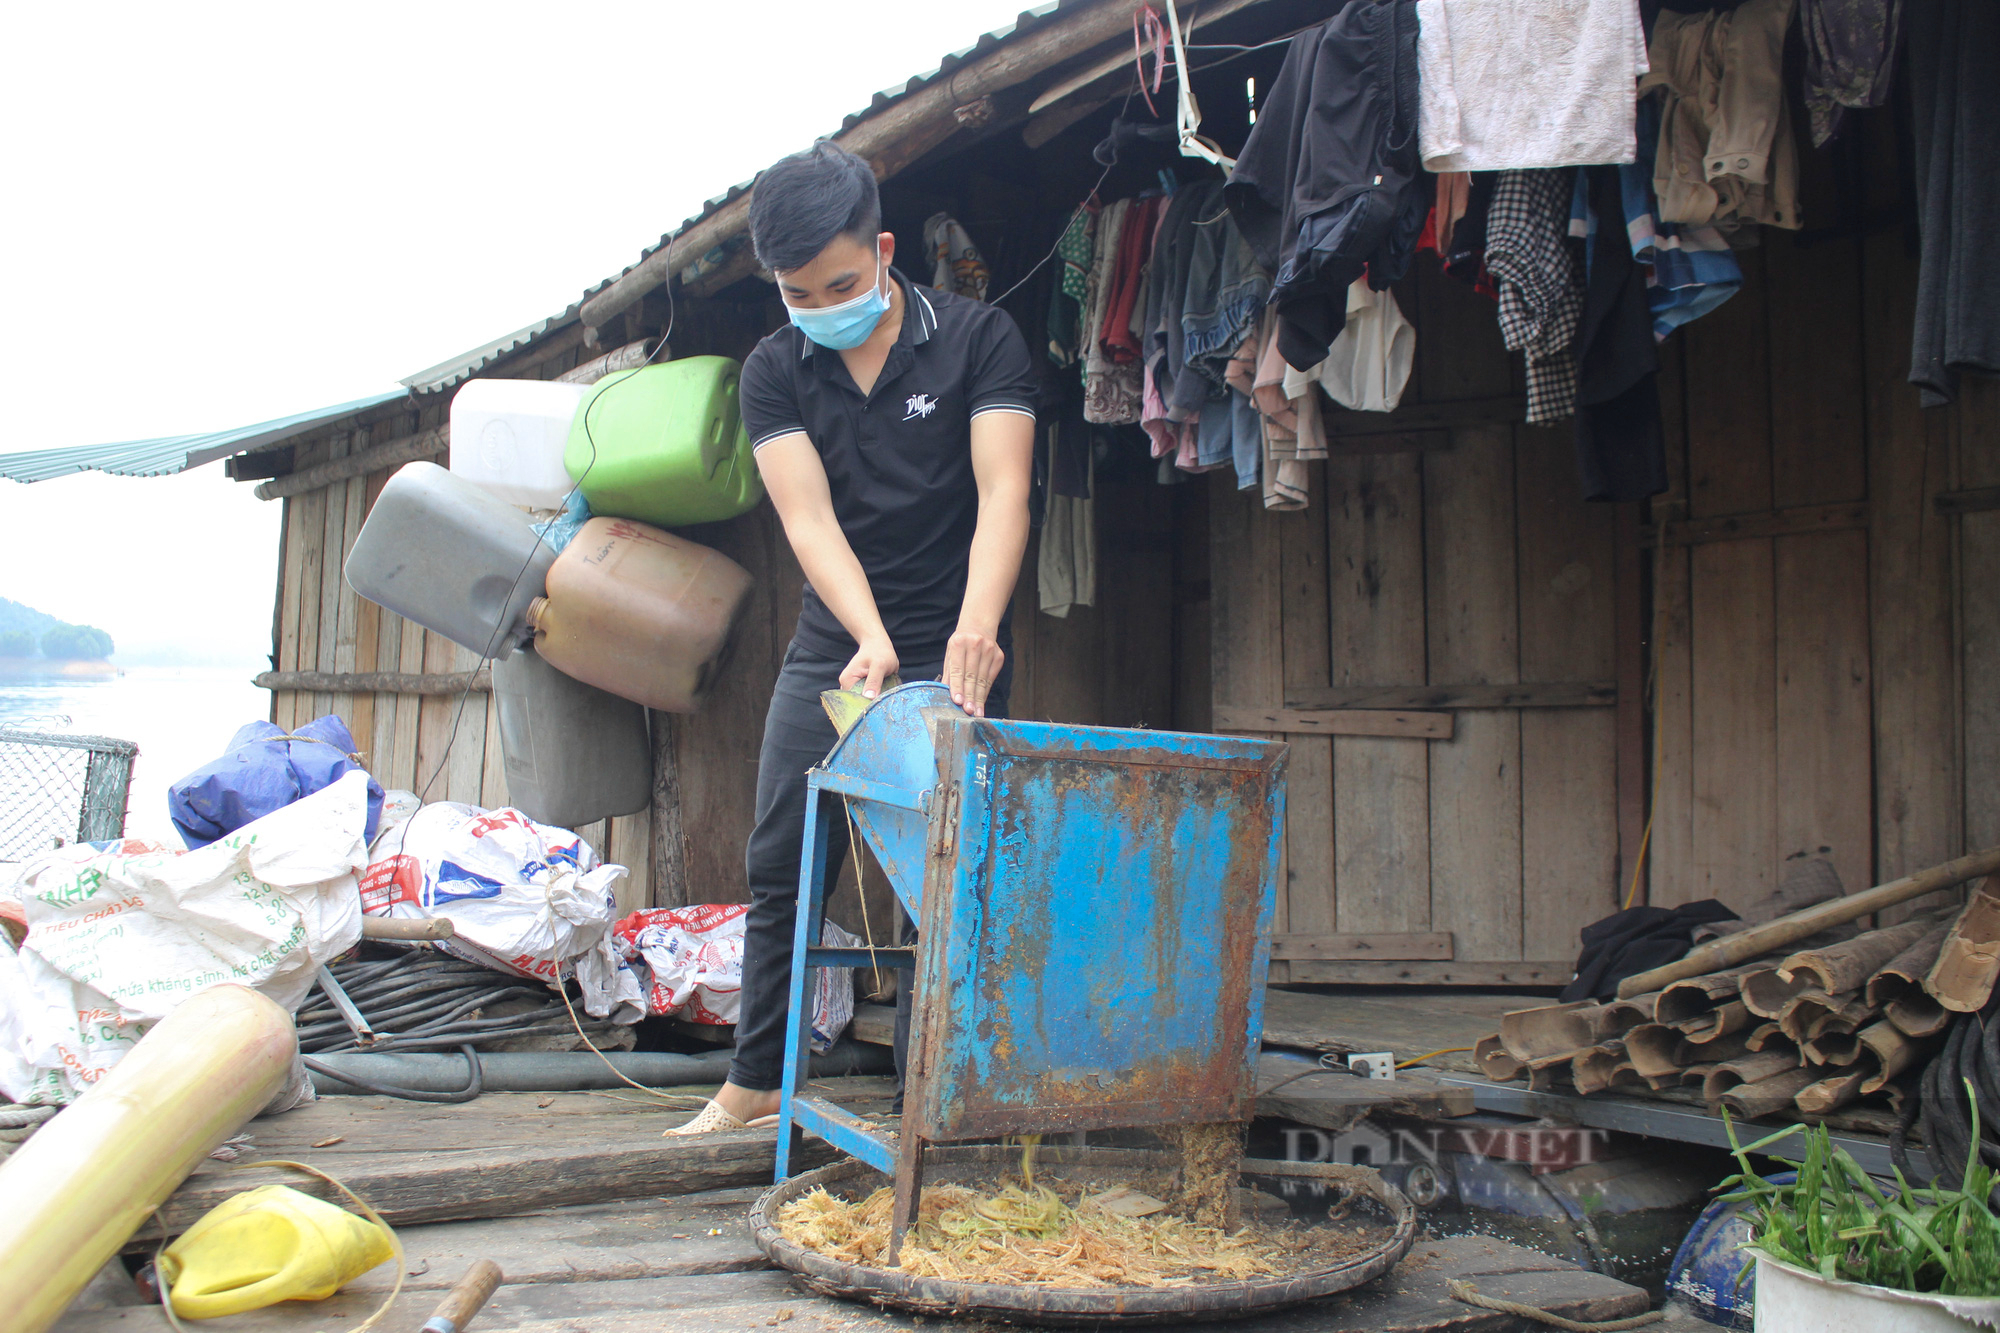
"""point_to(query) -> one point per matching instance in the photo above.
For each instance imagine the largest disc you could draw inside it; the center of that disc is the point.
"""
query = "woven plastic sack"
(690, 960)
(525, 898)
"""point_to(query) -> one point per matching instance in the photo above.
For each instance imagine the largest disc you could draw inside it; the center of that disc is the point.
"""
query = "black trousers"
(797, 735)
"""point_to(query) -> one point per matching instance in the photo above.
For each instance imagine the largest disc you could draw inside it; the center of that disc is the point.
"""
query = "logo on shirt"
(918, 405)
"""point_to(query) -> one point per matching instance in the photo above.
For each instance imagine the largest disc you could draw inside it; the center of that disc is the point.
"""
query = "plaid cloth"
(1541, 289)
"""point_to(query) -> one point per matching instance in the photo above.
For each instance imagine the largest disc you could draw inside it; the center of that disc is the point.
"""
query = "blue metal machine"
(1094, 909)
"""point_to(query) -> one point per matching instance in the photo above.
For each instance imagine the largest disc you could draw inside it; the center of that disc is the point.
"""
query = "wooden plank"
(1976, 501)
(367, 628)
(1422, 419)
(1918, 797)
(409, 709)
(291, 577)
(1193, 612)
(331, 581)
(1670, 854)
(435, 716)
(1247, 648)
(1433, 946)
(631, 846)
(1408, 1025)
(1542, 972)
(1629, 652)
(1735, 779)
(1728, 405)
(311, 515)
(1546, 694)
(1336, 1100)
(493, 774)
(668, 872)
(1334, 722)
(1569, 835)
(1375, 564)
(470, 732)
(1309, 887)
(1472, 612)
(379, 682)
(1978, 440)
(1772, 523)
(594, 837)
(1824, 730)
(342, 467)
(1460, 355)
(1817, 378)
(347, 604)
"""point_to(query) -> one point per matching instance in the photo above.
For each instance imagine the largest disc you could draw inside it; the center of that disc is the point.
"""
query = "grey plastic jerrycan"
(573, 754)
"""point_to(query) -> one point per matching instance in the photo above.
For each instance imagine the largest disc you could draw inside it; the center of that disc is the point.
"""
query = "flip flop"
(714, 1120)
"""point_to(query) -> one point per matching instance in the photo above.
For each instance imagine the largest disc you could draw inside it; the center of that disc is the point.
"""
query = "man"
(894, 429)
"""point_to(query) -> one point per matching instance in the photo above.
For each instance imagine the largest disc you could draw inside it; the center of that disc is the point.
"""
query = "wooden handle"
(403, 928)
(465, 1298)
(1744, 945)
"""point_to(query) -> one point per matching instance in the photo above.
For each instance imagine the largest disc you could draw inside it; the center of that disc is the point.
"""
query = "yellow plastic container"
(267, 1245)
(665, 445)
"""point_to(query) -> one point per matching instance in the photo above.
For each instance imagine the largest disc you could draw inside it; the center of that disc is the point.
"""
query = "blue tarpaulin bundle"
(265, 768)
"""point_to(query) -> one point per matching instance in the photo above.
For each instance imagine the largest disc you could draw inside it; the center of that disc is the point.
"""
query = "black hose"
(465, 1094)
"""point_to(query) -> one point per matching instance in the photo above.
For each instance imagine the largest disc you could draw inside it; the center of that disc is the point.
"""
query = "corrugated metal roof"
(176, 453)
(449, 373)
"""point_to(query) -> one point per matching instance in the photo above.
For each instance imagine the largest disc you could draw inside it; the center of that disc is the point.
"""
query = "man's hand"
(972, 661)
(875, 662)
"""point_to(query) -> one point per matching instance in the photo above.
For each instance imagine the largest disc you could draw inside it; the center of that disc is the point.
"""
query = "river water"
(180, 718)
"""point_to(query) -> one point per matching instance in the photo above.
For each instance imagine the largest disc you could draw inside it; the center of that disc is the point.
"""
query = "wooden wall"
(1444, 553)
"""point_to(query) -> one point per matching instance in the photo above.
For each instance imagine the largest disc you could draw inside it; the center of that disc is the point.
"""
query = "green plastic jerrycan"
(267, 1245)
(665, 445)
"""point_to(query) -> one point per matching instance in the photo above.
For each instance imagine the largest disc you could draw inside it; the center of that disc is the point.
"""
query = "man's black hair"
(800, 203)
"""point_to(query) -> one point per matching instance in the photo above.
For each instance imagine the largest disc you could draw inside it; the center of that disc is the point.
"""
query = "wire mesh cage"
(57, 789)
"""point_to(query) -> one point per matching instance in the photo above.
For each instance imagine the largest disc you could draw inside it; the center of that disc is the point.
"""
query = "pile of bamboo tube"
(1779, 1016)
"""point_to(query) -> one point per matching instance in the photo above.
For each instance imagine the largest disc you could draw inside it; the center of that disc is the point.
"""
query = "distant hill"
(26, 633)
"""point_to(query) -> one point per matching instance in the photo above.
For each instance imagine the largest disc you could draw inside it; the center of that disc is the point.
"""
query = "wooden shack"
(1510, 711)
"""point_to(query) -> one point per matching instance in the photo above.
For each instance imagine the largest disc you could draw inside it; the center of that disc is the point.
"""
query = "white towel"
(1520, 84)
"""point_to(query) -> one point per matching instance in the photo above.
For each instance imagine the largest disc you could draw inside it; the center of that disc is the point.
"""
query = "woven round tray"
(895, 1290)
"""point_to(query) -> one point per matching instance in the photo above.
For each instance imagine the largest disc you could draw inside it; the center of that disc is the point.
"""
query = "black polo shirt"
(899, 460)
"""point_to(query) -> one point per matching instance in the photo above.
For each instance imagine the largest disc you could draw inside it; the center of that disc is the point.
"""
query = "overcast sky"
(222, 214)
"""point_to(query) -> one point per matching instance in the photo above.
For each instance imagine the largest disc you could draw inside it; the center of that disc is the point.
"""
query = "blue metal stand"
(1095, 908)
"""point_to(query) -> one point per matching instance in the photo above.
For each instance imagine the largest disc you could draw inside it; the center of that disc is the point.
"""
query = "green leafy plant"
(1837, 1221)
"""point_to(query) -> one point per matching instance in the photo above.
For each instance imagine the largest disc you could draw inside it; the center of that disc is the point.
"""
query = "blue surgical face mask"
(847, 325)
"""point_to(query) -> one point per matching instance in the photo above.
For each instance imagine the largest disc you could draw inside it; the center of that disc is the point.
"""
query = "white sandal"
(713, 1119)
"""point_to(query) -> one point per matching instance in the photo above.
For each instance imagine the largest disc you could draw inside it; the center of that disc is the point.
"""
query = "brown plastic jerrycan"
(641, 613)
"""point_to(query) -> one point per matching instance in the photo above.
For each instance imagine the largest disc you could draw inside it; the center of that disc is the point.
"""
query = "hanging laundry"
(1464, 255)
(1066, 563)
(1541, 293)
(1111, 391)
(1527, 83)
(1454, 192)
(1167, 286)
(1066, 303)
(1122, 333)
(1328, 184)
(1725, 156)
(1282, 469)
(1369, 364)
(1691, 270)
(956, 264)
(1620, 446)
(1850, 56)
(1954, 74)
(1225, 294)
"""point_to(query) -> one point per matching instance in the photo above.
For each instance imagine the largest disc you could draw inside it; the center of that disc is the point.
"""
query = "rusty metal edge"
(1074, 1305)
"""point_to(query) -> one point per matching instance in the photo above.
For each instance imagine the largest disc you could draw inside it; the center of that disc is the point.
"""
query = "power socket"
(1374, 1064)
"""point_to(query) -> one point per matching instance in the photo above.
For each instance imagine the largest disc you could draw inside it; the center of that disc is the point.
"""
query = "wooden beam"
(629, 357)
(1629, 728)
(391, 454)
(1120, 58)
(1969, 502)
(892, 138)
(377, 682)
(732, 270)
(1335, 721)
(1343, 423)
(1559, 694)
(1040, 129)
(1769, 523)
(1416, 946)
(1365, 972)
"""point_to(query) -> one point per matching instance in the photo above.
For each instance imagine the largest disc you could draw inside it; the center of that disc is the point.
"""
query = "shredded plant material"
(1026, 1234)
(1211, 1159)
